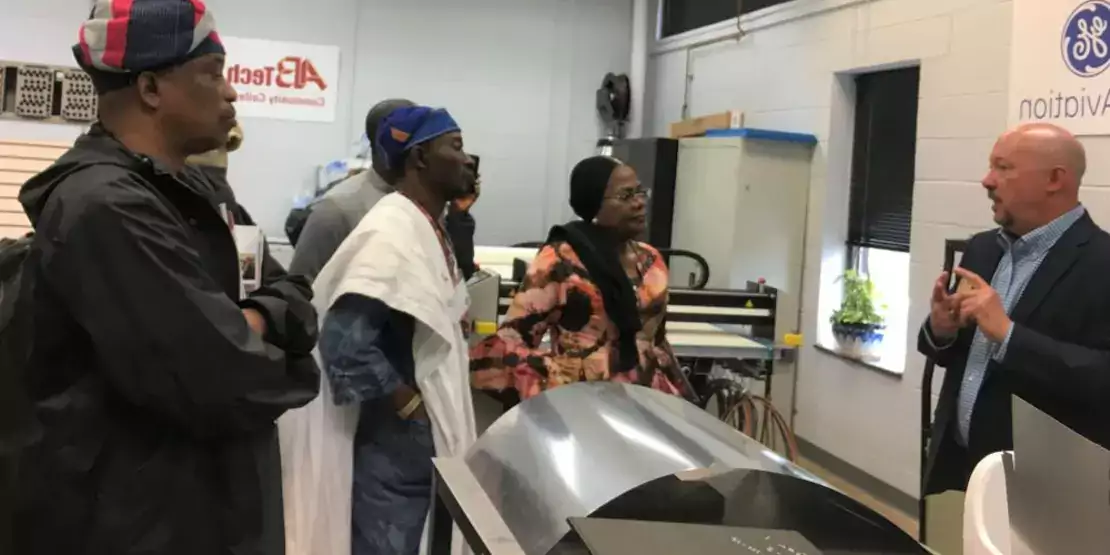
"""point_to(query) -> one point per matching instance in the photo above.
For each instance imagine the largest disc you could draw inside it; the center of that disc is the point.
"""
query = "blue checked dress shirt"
(1020, 259)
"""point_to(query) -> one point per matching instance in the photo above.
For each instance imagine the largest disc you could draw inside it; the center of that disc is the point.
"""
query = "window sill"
(890, 364)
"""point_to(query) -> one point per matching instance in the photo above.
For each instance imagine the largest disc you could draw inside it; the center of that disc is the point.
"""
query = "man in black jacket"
(1031, 314)
(155, 384)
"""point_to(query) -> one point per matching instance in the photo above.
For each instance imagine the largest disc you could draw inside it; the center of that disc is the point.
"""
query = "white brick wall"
(782, 74)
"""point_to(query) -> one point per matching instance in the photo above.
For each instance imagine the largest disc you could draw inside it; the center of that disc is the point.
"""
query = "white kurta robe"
(394, 256)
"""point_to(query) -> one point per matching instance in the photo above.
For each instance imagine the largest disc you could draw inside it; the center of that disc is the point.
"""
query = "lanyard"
(444, 241)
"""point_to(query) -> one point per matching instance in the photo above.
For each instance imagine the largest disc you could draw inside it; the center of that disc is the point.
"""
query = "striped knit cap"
(124, 38)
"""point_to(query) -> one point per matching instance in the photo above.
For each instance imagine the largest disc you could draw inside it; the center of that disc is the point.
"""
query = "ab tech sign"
(283, 80)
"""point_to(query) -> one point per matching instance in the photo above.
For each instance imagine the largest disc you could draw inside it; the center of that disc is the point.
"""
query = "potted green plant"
(857, 325)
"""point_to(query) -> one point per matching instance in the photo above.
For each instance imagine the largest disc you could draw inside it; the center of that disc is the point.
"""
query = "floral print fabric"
(557, 301)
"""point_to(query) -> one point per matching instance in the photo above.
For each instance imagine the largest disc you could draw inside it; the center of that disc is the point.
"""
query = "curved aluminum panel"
(570, 451)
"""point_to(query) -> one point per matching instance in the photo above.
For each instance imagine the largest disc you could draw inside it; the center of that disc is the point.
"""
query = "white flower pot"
(859, 341)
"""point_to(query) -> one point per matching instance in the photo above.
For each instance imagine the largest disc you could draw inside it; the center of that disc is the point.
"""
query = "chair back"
(691, 264)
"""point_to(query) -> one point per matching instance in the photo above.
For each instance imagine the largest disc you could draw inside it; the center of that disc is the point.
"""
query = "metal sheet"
(1057, 472)
(570, 451)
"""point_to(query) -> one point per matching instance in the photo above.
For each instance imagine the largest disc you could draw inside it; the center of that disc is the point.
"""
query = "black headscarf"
(599, 249)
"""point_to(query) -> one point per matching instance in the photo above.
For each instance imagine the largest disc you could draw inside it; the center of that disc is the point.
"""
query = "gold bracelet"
(410, 408)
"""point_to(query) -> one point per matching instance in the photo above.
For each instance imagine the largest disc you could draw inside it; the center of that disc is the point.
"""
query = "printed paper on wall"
(1060, 54)
(283, 80)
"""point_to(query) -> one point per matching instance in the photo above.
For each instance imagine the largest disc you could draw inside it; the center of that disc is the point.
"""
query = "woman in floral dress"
(596, 293)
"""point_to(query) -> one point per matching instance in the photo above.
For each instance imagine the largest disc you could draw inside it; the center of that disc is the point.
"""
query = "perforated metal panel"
(34, 92)
(47, 94)
(78, 96)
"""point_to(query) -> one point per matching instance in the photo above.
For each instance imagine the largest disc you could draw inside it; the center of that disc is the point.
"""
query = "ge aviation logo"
(1084, 42)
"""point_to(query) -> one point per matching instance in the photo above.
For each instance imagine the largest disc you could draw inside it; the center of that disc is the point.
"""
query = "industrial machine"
(609, 468)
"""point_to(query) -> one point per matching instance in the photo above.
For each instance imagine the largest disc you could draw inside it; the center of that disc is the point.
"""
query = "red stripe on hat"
(84, 42)
(115, 44)
(198, 11)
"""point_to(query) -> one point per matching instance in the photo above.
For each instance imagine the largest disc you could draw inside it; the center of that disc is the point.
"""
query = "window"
(881, 202)
(890, 272)
(680, 16)
(883, 152)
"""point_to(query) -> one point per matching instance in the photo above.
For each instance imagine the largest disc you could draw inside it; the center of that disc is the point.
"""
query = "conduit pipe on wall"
(641, 37)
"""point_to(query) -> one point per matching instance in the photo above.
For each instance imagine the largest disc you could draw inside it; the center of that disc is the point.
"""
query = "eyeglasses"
(628, 195)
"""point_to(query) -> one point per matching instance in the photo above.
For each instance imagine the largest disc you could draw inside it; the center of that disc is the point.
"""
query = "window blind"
(883, 154)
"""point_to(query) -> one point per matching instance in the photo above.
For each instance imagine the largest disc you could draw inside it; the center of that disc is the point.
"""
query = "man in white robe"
(357, 462)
